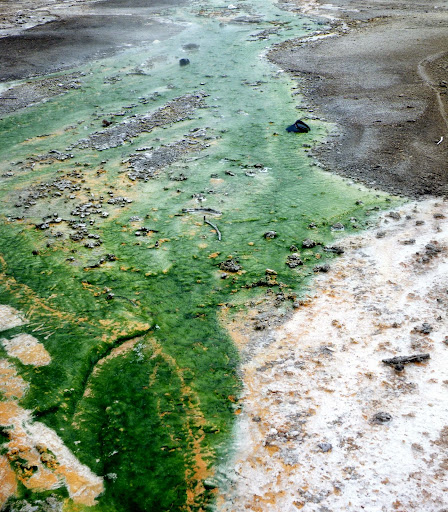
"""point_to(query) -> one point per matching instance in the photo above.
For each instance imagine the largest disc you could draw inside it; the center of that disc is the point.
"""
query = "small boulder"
(298, 127)
(325, 447)
(322, 268)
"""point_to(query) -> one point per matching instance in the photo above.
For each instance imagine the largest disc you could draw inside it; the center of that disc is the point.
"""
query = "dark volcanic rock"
(230, 265)
(308, 243)
(294, 260)
(381, 417)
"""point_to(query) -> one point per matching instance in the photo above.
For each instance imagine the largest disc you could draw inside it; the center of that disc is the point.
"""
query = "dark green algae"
(156, 414)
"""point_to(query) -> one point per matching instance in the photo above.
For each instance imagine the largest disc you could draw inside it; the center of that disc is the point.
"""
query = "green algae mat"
(134, 208)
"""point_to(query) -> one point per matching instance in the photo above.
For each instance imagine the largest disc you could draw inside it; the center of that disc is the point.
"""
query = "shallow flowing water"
(143, 383)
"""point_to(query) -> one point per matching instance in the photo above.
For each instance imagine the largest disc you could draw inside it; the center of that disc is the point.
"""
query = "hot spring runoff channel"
(105, 249)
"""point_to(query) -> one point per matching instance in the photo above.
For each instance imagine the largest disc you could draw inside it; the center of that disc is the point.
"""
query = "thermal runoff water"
(139, 210)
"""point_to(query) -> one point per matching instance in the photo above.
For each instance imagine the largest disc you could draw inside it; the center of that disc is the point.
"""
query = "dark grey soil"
(80, 34)
(383, 81)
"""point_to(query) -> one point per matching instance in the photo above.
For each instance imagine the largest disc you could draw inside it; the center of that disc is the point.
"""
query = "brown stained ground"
(27, 349)
(36, 452)
(320, 380)
(81, 488)
(8, 481)
(35, 455)
(236, 326)
(11, 384)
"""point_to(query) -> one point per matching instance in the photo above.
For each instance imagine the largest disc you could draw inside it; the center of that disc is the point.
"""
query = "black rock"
(398, 362)
(322, 268)
(334, 249)
(298, 127)
(184, 62)
(337, 227)
(381, 417)
(425, 328)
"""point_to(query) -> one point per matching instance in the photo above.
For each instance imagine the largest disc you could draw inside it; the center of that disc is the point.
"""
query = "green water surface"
(173, 395)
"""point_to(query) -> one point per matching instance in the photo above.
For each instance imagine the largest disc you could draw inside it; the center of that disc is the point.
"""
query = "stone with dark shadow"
(298, 127)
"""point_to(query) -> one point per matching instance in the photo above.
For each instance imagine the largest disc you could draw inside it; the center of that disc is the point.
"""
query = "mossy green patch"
(125, 293)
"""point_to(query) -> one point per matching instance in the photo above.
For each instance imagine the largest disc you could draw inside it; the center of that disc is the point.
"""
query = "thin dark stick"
(214, 227)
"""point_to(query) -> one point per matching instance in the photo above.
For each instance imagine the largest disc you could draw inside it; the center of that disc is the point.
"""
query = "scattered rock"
(425, 328)
(394, 215)
(294, 260)
(308, 243)
(325, 447)
(334, 249)
(399, 361)
(380, 418)
(190, 46)
(270, 234)
(184, 62)
(230, 265)
(337, 227)
(322, 268)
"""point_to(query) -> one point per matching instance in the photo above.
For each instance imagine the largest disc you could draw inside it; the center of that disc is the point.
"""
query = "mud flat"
(380, 76)
(49, 37)
(326, 425)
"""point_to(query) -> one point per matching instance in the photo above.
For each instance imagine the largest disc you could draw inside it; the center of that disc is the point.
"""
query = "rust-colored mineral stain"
(8, 483)
(81, 489)
(27, 349)
(42, 480)
(11, 384)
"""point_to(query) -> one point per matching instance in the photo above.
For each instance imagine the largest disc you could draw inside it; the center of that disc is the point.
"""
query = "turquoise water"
(167, 286)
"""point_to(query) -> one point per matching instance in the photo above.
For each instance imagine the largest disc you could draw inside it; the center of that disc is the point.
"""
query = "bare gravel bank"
(382, 79)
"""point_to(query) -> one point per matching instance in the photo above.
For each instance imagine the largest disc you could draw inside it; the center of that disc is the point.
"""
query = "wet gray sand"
(382, 80)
